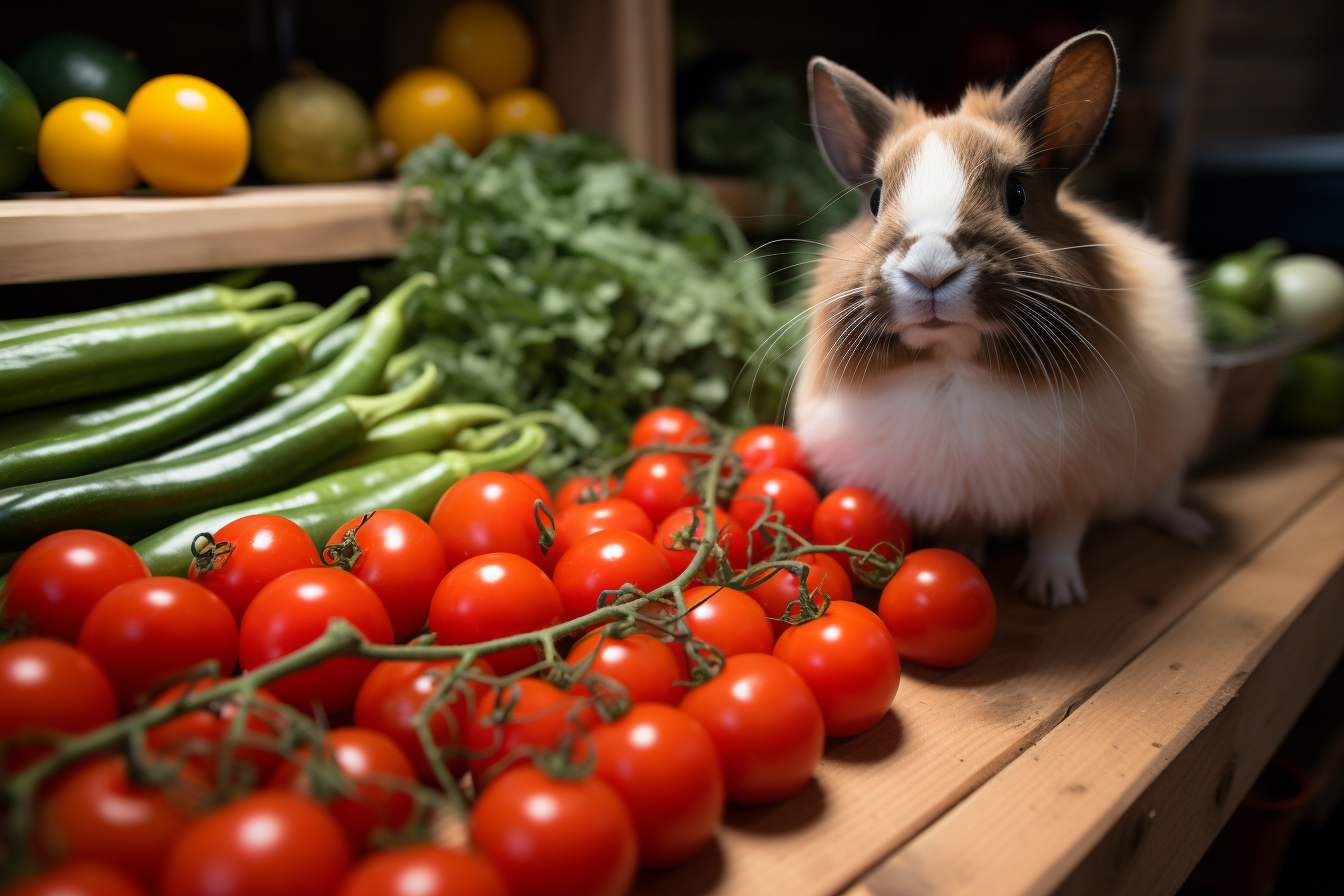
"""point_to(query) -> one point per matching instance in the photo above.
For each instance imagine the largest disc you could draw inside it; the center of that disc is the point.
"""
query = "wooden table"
(1090, 750)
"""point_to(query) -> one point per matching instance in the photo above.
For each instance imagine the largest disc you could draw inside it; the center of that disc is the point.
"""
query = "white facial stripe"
(931, 193)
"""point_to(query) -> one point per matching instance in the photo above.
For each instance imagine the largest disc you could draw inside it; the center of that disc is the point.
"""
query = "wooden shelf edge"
(48, 239)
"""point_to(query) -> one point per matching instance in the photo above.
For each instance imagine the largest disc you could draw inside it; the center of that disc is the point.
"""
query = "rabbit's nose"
(936, 278)
(931, 261)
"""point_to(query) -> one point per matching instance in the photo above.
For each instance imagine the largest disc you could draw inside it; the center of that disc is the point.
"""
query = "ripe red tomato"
(766, 725)
(264, 547)
(488, 513)
(775, 592)
(580, 520)
(789, 494)
(79, 879)
(664, 766)
(270, 843)
(939, 609)
(368, 758)
(423, 871)
(668, 426)
(849, 661)
(604, 561)
(659, 483)
(538, 486)
(200, 733)
(93, 813)
(556, 838)
(401, 559)
(541, 715)
(55, 583)
(728, 619)
(146, 630)
(732, 538)
(493, 596)
(292, 612)
(396, 690)
(645, 666)
(48, 687)
(770, 447)
(585, 488)
(863, 517)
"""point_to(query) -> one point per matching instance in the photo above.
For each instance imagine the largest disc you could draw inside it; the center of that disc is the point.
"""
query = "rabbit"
(984, 349)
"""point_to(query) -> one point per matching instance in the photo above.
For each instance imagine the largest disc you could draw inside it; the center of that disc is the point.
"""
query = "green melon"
(19, 121)
(66, 64)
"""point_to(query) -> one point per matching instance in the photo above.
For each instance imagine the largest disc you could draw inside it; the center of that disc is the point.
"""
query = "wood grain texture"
(951, 731)
(76, 239)
(1245, 656)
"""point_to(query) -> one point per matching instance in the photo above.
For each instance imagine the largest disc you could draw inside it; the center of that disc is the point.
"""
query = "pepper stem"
(310, 332)
(374, 409)
(276, 292)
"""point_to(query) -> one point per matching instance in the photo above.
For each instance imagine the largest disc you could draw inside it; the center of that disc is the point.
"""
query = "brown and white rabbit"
(984, 349)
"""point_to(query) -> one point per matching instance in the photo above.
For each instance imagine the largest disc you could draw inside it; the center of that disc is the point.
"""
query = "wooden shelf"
(59, 238)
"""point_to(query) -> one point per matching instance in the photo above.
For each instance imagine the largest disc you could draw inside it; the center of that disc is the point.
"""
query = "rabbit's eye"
(1014, 195)
(875, 201)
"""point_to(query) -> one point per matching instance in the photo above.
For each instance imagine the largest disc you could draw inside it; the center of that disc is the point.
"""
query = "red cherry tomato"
(766, 725)
(493, 596)
(401, 559)
(292, 612)
(423, 871)
(538, 486)
(48, 687)
(556, 838)
(146, 630)
(645, 666)
(93, 813)
(604, 561)
(580, 520)
(668, 426)
(79, 879)
(732, 538)
(585, 488)
(789, 495)
(488, 513)
(270, 843)
(55, 583)
(728, 619)
(249, 553)
(659, 483)
(541, 715)
(849, 661)
(368, 758)
(200, 733)
(396, 690)
(664, 766)
(775, 592)
(939, 609)
(770, 447)
(863, 517)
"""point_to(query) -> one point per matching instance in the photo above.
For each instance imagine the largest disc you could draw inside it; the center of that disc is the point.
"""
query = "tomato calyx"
(546, 531)
(210, 555)
(344, 554)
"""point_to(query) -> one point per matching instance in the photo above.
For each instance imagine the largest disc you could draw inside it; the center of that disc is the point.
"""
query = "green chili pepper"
(237, 384)
(103, 358)
(332, 344)
(1243, 277)
(358, 371)
(424, 429)
(133, 500)
(412, 482)
(207, 297)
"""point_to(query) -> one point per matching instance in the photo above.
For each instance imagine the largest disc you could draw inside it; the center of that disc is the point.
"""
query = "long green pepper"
(357, 371)
(237, 384)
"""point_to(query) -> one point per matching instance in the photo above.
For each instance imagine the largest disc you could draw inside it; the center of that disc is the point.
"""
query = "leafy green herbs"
(579, 281)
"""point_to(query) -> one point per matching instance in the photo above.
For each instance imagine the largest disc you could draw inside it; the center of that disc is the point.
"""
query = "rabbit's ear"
(850, 117)
(1064, 102)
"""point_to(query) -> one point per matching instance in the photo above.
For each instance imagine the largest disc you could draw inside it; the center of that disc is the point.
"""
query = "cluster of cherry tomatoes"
(583, 768)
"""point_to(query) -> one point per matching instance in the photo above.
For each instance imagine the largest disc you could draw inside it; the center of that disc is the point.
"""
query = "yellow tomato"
(187, 136)
(522, 109)
(488, 43)
(426, 102)
(81, 148)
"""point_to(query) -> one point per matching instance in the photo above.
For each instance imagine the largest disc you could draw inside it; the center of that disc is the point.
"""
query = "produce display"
(388, 683)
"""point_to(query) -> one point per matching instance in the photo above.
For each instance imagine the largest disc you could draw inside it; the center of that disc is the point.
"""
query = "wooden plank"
(76, 239)
(1141, 759)
(952, 730)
